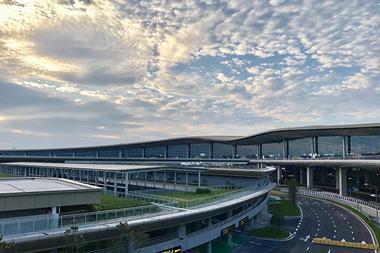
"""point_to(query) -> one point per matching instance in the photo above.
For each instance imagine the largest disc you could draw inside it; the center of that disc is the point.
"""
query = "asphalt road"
(320, 219)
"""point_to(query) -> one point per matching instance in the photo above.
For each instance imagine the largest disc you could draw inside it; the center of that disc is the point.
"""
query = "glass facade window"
(300, 147)
(86, 153)
(177, 151)
(63, 153)
(200, 150)
(109, 153)
(158, 152)
(247, 151)
(133, 152)
(364, 146)
(330, 146)
(37, 153)
(222, 150)
(272, 150)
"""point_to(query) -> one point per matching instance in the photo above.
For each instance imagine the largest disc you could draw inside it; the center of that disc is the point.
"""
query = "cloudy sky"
(89, 72)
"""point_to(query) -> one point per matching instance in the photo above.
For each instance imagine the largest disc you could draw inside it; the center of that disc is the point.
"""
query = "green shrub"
(203, 191)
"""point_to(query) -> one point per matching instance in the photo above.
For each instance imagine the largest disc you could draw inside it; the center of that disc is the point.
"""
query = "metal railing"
(371, 210)
(49, 222)
(153, 196)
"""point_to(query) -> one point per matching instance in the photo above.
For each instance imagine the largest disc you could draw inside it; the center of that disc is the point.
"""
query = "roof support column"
(234, 151)
(143, 152)
(166, 155)
(126, 183)
(96, 177)
(344, 146)
(309, 177)
(342, 181)
(105, 182)
(279, 175)
(164, 180)
(211, 150)
(259, 151)
(154, 179)
(186, 180)
(115, 184)
(188, 154)
(199, 178)
(145, 178)
(175, 180)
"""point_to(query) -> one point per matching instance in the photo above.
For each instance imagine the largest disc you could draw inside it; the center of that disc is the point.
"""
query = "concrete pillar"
(342, 174)
(279, 175)
(260, 151)
(209, 247)
(120, 153)
(344, 147)
(164, 181)
(96, 177)
(309, 177)
(115, 184)
(229, 239)
(199, 179)
(186, 181)
(105, 182)
(166, 152)
(337, 179)
(234, 151)
(154, 179)
(175, 180)
(145, 178)
(211, 150)
(126, 182)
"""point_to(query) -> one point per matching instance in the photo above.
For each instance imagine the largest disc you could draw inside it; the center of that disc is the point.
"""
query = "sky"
(92, 72)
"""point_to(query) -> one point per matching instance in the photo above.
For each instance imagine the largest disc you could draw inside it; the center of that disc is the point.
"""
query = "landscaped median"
(284, 207)
(280, 209)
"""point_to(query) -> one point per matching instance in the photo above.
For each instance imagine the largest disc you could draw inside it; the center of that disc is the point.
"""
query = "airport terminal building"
(344, 159)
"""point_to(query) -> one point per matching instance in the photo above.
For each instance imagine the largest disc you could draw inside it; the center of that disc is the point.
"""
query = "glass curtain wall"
(247, 151)
(272, 150)
(300, 147)
(330, 146)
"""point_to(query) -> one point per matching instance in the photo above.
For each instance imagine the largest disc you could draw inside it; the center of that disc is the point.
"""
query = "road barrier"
(355, 245)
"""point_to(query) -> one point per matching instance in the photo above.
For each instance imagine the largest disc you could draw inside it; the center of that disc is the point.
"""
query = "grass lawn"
(2, 175)
(269, 232)
(109, 202)
(178, 195)
(285, 207)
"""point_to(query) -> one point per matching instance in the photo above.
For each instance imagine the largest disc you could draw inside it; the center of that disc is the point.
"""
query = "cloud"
(93, 72)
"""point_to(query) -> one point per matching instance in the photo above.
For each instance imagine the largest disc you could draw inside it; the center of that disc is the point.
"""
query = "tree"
(5, 245)
(75, 240)
(278, 220)
(292, 185)
(128, 238)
